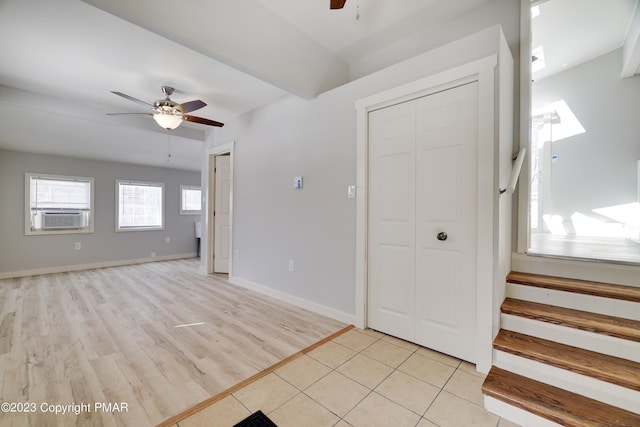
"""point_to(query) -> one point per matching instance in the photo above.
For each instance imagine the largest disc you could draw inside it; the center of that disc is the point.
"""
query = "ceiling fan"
(167, 113)
(337, 4)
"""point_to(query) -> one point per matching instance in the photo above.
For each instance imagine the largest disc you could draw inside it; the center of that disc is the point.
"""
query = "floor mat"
(257, 419)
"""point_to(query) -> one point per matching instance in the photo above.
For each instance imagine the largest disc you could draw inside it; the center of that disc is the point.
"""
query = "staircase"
(568, 354)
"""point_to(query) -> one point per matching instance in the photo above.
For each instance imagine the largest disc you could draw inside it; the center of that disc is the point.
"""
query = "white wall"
(437, 33)
(597, 168)
(315, 226)
(20, 254)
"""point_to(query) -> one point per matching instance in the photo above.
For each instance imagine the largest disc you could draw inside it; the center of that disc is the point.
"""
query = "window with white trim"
(56, 204)
(139, 205)
(190, 200)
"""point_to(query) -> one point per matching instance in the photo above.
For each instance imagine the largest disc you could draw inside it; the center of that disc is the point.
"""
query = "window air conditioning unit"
(56, 220)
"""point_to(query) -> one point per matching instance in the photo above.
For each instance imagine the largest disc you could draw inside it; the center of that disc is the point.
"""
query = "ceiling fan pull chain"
(358, 11)
(168, 146)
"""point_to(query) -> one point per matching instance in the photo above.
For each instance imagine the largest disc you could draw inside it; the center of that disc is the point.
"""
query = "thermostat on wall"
(297, 182)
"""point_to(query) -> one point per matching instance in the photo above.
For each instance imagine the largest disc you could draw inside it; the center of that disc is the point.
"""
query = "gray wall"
(316, 139)
(597, 168)
(22, 253)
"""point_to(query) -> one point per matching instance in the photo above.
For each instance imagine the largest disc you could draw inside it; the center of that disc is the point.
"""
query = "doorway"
(219, 217)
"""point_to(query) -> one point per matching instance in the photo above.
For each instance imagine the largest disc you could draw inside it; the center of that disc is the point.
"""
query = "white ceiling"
(575, 31)
(61, 58)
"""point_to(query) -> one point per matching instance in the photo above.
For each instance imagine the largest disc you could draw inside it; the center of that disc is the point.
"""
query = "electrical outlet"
(291, 265)
(78, 246)
(237, 253)
(167, 239)
(153, 254)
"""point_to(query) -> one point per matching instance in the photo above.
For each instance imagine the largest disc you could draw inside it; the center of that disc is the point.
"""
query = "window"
(139, 205)
(190, 200)
(58, 204)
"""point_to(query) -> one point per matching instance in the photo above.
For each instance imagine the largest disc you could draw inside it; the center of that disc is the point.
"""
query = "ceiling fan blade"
(131, 98)
(337, 4)
(190, 106)
(202, 121)
(128, 114)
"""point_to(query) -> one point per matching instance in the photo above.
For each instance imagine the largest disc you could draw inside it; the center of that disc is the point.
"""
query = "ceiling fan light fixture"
(169, 114)
(167, 119)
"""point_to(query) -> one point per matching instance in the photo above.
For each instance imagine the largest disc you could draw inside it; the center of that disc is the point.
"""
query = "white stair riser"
(590, 303)
(516, 415)
(574, 337)
(596, 271)
(593, 388)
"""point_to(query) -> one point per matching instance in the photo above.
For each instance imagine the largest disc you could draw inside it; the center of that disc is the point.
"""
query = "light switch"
(297, 182)
(351, 192)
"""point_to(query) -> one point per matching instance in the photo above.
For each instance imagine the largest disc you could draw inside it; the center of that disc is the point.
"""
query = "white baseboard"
(79, 267)
(338, 315)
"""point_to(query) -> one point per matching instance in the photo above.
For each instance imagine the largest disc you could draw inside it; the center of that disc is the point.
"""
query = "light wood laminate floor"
(121, 336)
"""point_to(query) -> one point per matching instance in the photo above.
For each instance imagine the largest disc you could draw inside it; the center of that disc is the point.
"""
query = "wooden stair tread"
(615, 370)
(553, 403)
(592, 322)
(606, 290)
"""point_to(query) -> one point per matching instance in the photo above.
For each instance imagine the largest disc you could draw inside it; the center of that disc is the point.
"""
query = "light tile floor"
(360, 378)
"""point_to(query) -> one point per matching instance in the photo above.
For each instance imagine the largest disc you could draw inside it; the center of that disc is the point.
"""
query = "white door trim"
(482, 70)
(223, 149)
(221, 213)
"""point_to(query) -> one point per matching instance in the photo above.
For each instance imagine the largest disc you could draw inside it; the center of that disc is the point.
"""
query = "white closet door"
(422, 182)
(391, 255)
(446, 202)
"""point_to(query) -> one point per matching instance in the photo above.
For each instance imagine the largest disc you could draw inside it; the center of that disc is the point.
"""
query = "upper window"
(190, 200)
(58, 204)
(139, 205)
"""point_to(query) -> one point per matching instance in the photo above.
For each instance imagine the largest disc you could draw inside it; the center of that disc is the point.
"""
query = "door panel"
(439, 271)
(437, 191)
(394, 304)
(446, 202)
(391, 198)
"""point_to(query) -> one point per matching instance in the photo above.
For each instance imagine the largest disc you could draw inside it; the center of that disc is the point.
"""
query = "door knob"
(442, 236)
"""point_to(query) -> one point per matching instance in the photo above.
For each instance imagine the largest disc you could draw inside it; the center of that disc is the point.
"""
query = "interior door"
(446, 212)
(422, 182)
(221, 214)
(391, 254)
